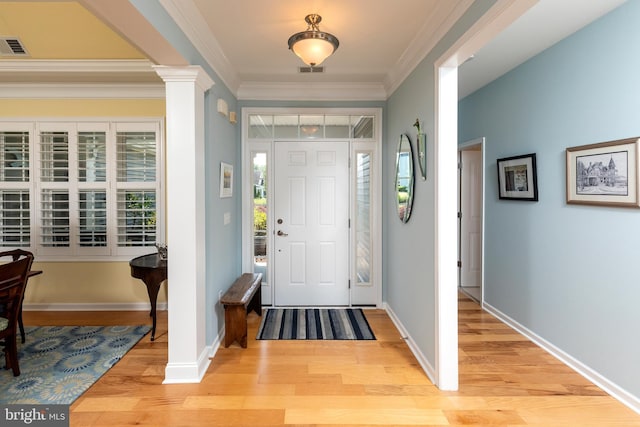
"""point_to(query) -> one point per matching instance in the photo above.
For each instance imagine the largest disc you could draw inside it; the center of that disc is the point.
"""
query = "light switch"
(227, 218)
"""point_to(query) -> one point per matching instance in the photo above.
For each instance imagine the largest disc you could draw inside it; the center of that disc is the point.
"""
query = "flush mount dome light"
(313, 46)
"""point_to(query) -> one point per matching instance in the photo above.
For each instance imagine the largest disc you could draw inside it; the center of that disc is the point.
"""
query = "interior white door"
(471, 219)
(311, 212)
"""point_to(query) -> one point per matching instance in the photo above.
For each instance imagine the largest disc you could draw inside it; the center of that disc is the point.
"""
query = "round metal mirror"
(404, 178)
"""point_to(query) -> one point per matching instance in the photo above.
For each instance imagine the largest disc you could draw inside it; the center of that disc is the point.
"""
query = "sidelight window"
(363, 217)
(260, 212)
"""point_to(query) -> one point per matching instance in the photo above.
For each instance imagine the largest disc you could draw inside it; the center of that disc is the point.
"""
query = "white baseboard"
(420, 357)
(215, 345)
(626, 398)
(128, 306)
(185, 373)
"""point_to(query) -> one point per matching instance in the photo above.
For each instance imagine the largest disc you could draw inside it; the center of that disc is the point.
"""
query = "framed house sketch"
(604, 174)
(517, 178)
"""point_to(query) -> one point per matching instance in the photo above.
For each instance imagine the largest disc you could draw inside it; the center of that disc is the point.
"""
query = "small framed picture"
(226, 180)
(604, 174)
(517, 179)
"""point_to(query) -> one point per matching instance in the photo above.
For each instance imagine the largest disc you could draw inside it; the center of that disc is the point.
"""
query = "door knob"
(281, 233)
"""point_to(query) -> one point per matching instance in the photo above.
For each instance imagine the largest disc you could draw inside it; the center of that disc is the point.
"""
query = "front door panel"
(311, 214)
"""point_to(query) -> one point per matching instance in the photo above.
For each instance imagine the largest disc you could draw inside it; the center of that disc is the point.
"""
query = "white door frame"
(495, 20)
(470, 145)
(372, 146)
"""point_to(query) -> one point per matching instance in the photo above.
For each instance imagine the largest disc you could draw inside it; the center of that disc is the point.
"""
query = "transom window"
(310, 126)
(83, 190)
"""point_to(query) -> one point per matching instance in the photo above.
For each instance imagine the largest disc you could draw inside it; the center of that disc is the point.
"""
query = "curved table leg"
(152, 290)
(153, 272)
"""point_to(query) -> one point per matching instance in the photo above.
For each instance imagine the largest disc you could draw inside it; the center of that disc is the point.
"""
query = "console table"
(152, 271)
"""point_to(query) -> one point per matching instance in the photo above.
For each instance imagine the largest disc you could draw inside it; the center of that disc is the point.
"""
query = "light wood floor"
(505, 380)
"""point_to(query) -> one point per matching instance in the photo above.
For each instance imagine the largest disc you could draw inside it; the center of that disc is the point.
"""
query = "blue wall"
(568, 273)
(409, 249)
(223, 242)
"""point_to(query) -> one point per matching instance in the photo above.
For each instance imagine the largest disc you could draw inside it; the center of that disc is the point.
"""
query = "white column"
(446, 189)
(185, 191)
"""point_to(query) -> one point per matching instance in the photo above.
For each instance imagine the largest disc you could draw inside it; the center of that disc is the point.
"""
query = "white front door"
(471, 222)
(311, 223)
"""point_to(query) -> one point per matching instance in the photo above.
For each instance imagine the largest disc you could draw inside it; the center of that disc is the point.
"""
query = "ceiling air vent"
(12, 46)
(311, 69)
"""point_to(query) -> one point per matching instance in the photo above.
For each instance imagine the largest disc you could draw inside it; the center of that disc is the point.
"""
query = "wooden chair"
(15, 254)
(13, 279)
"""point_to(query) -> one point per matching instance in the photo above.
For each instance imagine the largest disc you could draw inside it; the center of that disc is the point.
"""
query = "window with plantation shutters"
(54, 213)
(54, 156)
(92, 157)
(84, 190)
(14, 157)
(15, 208)
(15, 221)
(136, 188)
(92, 192)
(136, 217)
(92, 216)
(136, 156)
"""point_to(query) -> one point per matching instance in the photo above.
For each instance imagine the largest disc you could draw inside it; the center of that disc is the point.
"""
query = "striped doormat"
(314, 324)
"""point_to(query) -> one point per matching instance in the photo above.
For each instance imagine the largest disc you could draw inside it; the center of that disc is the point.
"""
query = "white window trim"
(112, 252)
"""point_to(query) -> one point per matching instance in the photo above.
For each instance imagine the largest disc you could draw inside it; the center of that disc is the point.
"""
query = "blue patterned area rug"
(314, 324)
(58, 363)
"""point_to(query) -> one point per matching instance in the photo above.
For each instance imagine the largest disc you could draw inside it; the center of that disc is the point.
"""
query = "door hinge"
(349, 281)
(460, 165)
(459, 214)
(459, 264)
(349, 223)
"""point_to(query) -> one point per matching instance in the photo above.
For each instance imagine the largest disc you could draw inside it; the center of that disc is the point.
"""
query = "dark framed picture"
(517, 179)
(604, 174)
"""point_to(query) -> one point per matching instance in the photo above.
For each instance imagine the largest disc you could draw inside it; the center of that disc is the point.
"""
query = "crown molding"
(187, 16)
(32, 86)
(76, 66)
(259, 91)
(434, 29)
(82, 91)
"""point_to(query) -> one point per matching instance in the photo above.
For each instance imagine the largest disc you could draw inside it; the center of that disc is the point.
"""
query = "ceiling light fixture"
(313, 46)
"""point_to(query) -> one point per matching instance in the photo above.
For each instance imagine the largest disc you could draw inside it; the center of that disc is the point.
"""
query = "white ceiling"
(380, 41)
(253, 34)
(245, 42)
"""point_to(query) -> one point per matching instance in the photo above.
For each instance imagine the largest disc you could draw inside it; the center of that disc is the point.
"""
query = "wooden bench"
(243, 296)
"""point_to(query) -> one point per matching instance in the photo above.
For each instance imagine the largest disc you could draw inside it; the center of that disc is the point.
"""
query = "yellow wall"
(85, 282)
(82, 108)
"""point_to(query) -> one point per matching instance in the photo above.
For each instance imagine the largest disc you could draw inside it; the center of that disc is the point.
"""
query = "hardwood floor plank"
(215, 402)
(505, 380)
(484, 417)
(107, 404)
(195, 418)
(381, 416)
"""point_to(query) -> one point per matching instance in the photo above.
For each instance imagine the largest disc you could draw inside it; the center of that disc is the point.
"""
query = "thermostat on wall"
(222, 107)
